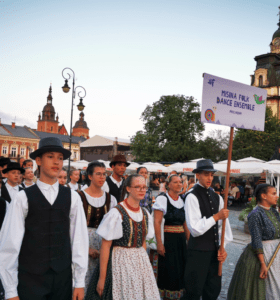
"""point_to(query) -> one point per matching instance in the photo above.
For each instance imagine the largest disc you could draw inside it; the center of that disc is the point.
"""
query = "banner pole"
(226, 197)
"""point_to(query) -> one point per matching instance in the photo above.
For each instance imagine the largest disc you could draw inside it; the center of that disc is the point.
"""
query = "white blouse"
(161, 203)
(111, 228)
(99, 202)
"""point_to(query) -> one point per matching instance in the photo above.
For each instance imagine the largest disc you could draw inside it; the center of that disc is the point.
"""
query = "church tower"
(48, 122)
(267, 73)
(80, 128)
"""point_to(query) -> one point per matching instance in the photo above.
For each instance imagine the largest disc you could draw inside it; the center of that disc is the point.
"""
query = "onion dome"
(81, 123)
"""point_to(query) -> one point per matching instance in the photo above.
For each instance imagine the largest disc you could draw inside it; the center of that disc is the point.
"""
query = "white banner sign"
(226, 102)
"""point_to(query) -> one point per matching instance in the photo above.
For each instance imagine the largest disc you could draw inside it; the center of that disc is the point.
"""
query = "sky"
(126, 54)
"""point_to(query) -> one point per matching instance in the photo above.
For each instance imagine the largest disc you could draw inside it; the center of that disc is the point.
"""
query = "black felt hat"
(204, 165)
(13, 166)
(50, 144)
(4, 161)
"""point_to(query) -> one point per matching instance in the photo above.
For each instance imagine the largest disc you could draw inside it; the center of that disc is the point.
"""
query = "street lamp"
(80, 106)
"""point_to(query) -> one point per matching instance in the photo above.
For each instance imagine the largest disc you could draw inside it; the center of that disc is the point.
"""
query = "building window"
(75, 155)
(41, 128)
(14, 152)
(51, 129)
(261, 81)
(22, 151)
(4, 150)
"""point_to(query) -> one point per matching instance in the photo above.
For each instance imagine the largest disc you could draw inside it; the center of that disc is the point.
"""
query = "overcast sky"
(126, 54)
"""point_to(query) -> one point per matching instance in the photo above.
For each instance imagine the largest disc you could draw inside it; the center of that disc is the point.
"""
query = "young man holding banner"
(204, 211)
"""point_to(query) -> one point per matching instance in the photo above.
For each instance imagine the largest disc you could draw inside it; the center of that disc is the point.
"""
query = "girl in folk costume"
(170, 259)
(74, 178)
(251, 279)
(62, 177)
(96, 204)
(44, 238)
(147, 201)
(125, 271)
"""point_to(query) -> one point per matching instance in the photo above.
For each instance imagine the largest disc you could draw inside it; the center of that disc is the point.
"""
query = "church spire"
(49, 98)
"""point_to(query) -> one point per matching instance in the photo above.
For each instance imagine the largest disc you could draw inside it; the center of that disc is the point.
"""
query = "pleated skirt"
(171, 267)
(246, 283)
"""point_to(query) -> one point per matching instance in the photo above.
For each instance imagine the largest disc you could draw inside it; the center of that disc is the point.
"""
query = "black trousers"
(49, 286)
(201, 275)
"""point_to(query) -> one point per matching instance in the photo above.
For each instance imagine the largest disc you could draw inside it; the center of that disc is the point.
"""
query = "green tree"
(172, 128)
(259, 144)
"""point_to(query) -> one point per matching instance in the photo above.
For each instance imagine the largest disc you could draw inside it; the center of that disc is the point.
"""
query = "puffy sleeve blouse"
(111, 228)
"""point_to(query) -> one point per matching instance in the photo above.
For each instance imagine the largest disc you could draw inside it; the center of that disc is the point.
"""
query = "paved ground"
(234, 249)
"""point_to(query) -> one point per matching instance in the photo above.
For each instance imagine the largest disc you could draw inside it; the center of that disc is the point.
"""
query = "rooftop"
(99, 140)
(17, 131)
(63, 138)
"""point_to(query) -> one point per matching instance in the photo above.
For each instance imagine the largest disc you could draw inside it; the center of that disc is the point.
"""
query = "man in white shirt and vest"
(44, 236)
(204, 211)
(113, 184)
(10, 188)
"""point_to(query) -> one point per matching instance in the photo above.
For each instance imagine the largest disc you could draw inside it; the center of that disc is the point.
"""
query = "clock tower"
(267, 73)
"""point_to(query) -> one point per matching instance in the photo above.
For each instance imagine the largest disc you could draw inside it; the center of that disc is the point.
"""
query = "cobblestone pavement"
(234, 250)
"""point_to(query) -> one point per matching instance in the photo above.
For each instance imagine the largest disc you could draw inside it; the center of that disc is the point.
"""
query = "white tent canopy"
(155, 167)
(250, 159)
(80, 164)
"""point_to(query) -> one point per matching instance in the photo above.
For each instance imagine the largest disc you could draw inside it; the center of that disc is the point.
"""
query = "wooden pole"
(226, 197)
(273, 257)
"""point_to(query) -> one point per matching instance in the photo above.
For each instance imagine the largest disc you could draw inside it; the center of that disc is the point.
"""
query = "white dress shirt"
(74, 187)
(24, 182)
(13, 230)
(13, 190)
(105, 186)
(198, 225)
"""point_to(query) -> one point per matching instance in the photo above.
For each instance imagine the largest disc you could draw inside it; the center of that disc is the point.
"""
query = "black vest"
(46, 242)
(209, 205)
(3, 206)
(5, 193)
(113, 189)
(174, 216)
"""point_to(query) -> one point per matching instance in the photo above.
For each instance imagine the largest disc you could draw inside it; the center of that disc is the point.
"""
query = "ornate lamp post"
(80, 106)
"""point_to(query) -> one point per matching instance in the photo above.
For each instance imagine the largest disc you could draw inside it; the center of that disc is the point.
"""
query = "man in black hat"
(4, 161)
(113, 184)
(204, 211)
(45, 235)
(10, 189)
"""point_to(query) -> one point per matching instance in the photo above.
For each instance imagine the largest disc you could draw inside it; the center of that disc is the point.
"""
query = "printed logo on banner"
(211, 81)
(258, 99)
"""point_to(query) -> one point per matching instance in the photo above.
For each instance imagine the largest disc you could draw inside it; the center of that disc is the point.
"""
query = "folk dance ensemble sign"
(226, 102)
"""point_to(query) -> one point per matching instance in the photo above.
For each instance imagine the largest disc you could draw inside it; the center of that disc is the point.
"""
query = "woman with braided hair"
(125, 272)
(251, 279)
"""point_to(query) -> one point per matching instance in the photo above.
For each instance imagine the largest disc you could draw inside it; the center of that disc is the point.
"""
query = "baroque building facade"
(267, 73)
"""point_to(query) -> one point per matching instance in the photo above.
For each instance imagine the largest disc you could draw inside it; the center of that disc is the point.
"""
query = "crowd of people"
(89, 237)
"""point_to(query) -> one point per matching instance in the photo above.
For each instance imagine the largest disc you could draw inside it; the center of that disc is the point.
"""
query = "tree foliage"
(259, 144)
(172, 128)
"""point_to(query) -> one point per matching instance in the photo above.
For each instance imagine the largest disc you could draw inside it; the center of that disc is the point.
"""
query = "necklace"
(130, 207)
(264, 207)
(173, 198)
